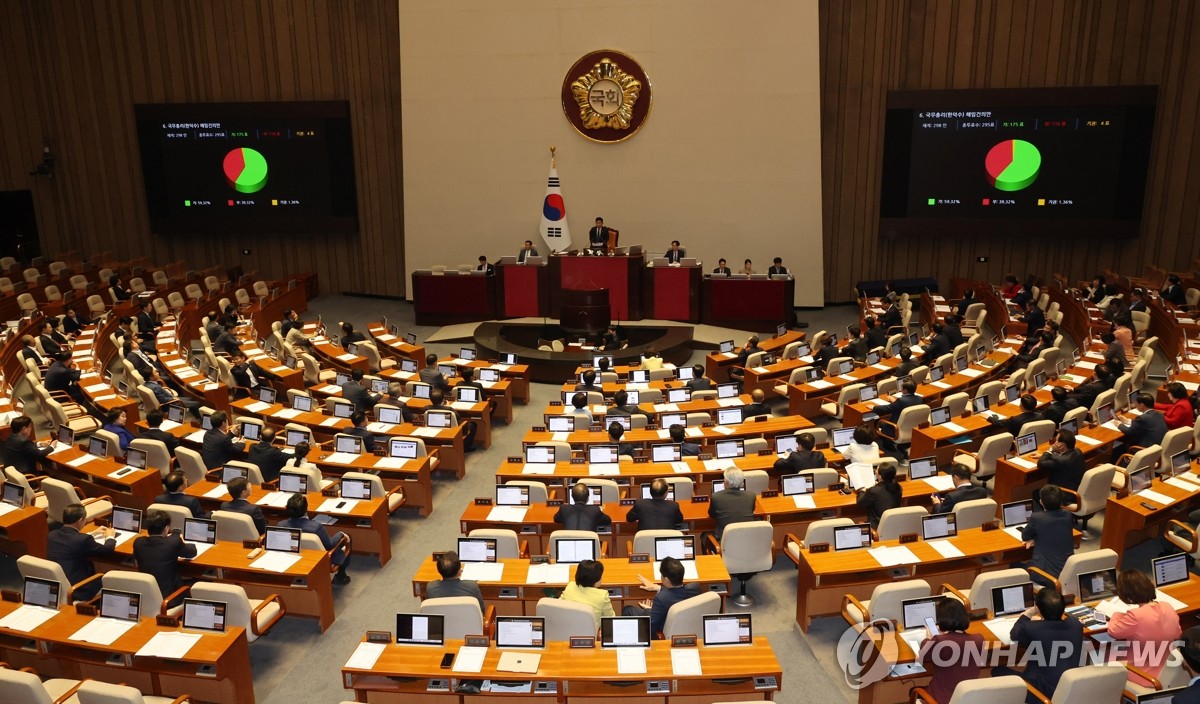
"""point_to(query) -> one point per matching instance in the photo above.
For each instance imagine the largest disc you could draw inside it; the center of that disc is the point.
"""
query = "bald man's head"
(758, 396)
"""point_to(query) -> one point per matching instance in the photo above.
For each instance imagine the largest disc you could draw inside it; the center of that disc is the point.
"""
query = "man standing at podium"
(598, 237)
(674, 254)
(526, 252)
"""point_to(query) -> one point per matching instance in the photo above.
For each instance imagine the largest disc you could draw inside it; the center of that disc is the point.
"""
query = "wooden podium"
(585, 312)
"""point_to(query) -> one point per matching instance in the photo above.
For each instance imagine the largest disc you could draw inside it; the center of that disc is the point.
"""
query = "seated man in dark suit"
(951, 328)
(239, 489)
(674, 255)
(437, 400)
(62, 376)
(856, 345)
(699, 382)
(1034, 318)
(1045, 628)
(598, 237)
(777, 267)
(430, 374)
(579, 515)
(72, 322)
(485, 266)
(358, 420)
(354, 391)
(219, 444)
(154, 420)
(1190, 650)
(875, 336)
(669, 593)
(722, 269)
(908, 397)
(733, 504)
(74, 550)
(826, 351)
(963, 490)
(227, 342)
(246, 375)
(907, 363)
(622, 406)
(658, 512)
(451, 583)
(757, 406)
(269, 459)
(297, 510)
(738, 371)
(589, 382)
(615, 432)
(1146, 429)
(1028, 414)
(1050, 534)
(52, 340)
(147, 324)
(20, 450)
(804, 458)
(175, 483)
(1060, 403)
(158, 553)
(1063, 461)
(142, 363)
(892, 318)
(679, 435)
(466, 380)
(938, 345)
(526, 252)
(350, 335)
(1085, 394)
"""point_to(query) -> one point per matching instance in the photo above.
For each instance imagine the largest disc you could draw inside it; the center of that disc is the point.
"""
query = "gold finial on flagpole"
(553, 159)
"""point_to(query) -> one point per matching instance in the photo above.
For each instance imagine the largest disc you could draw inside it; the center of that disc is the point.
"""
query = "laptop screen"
(1012, 393)
(626, 422)
(1017, 513)
(512, 495)
(1097, 585)
(666, 420)
(342, 378)
(680, 547)
(936, 373)
(421, 390)
(14, 494)
(40, 592)
(293, 482)
(230, 472)
(728, 449)
(1012, 599)
(922, 467)
(174, 414)
(295, 437)
(727, 390)
(67, 436)
(477, 549)
(447, 370)
(282, 539)
(420, 629)
(119, 604)
(681, 395)
(939, 415)
(508, 358)
(302, 403)
(1180, 463)
(1026, 443)
(128, 520)
(939, 526)
(868, 393)
(343, 410)
(795, 484)
(574, 550)
(250, 431)
(411, 338)
(467, 353)
(786, 443)
(851, 537)
(466, 394)
(671, 452)
(685, 373)
(1105, 413)
(351, 444)
(539, 454)
(379, 386)
(408, 365)
(438, 419)
(729, 416)
(520, 632)
(726, 346)
(352, 488)
(1169, 570)
(639, 376)
(1140, 479)
(1039, 380)
(202, 615)
(1072, 425)
(842, 437)
(489, 376)
(915, 611)
(200, 530)
(389, 416)
(979, 404)
(603, 454)
(266, 394)
(403, 448)
(98, 447)
(670, 491)
(728, 629)
(625, 632)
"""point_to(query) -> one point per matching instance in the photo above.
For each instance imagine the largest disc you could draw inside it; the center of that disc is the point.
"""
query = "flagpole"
(553, 158)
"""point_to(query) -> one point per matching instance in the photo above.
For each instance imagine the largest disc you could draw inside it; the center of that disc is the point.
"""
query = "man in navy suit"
(598, 237)
(1145, 430)
(674, 254)
(963, 490)
(158, 553)
(579, 515)
(1034, 318)
(908, 397)
(73, 550)
(219, 444)
(1191, 660)
(238, 490)
(174, 483)
(297, 509)
(1058, 638)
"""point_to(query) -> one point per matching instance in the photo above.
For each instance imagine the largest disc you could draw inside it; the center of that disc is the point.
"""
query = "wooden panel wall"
(869, 48)
(74, 69)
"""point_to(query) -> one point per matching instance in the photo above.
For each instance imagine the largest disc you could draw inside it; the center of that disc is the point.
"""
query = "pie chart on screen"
(1013, 164)
(245, 170)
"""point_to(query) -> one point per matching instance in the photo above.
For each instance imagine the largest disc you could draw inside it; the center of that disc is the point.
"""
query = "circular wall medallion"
(606, 96)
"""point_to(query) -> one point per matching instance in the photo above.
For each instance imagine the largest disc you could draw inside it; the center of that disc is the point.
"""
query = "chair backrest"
(566, 618)
(1094, 489)
(974, 513)
(610, 492)
(139, 582)
(26, 302)
(910, 418)
(573, 535)
(1145, 457)
(757, 480)
(53, 293)
(237, 604)
(191, 464)
(462, 615)
(193, 292)
(96, 692)
(1175, 441)
(683, 487)
(79, 282)
(897, 521)
(886, 599)
(24, 687)
(40, 567)
(235, 526)
(747, 547)
(1008, 689)
(687, 616)
(1081, 562)
(11, 474)
(59, 495)
(957, 403)
(821, 530)
(177, 513)
(696, 419)
(822, 477)
(137, 285)
(1091, 683)
(1076, 414)
(1102, 398)
(991, 450)
(562, 450)
(538, 494)
(643, 540)
(508, 546)
(1121, 387)
(981, 588)
(991, 390)
(1043, 430)
(261, 289)
(242, 297)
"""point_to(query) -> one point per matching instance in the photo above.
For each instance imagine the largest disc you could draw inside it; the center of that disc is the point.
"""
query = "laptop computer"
(852, 537)
(626, 422)
(351, 488)
(539, 454)
(489, 376)
(379, 386)
(727, 629)
(448, 370)
(1105, 414)
(127, 522)
(512, 495)
(1071, 425)
(842, 437)
(201, 532)
(680, 395)
(467, 394)
(574, 550)
(98, 447)
(666, 420)
(13, 494)
(420, 629)
(302, 403)
(633, 397)
(938, 526)
(1015, 515)
(349, 444)
(669, 452)
(727, 391)
(1169, 569)
(389, 416)
(729, 416)
(1180, 463)
(1012, 599)
(639, 376)
(120, 605)
(914, 612)
(786, 444)
(467, 353)
(204, 616)
(408, 365)
(341, 378)
(477, 549)
(282, 539)
(250, 431)
(725, 346)
(625, 632)
(1140, 479)
(523, 632)
(174, 413)
(266, 394)
(508, 358)
(293, 482)
(796, 484)
(685, 373)
(40, 592)
(979, 404)
(1026, 443)
(922, 467)
(730, 448)
(294, 437)
(343, 410)
(438, 419)
(604, 455)
(939, 415)
(422, 391)
(1012, 393)
(230, 472)
(1101, 584)
(402, 448)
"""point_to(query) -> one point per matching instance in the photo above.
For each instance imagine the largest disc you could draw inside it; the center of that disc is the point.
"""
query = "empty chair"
(1043, 430)
(885, 602)
(1092, 496)
(643, 540)
(1008, 689)
(973, 513)
(1091, 683)
(757, 480)
(52, 293)
(819, 531)
(979, 595)
(687, 617)
(79, 283)
(40, 567)
(822, 477)
(957, 403)
(562, 450)
(1175, 441)
(235, 526)
(27, 688)
(26, 302)
(992, 391)
(558, 535)
(261, 289)
(193, 292)
(153, 601)
(566, 618)
(60, 495)
(1128, 464)
(508, 545)
(97, 692)
(191, 464)
(983, 463)
(683, 487)
(848, 395)
(95, 305)
(697, 419)
(746, 549)
(910, 419)
(30, 496)
(137, 285)
(895, 522)
(257, 616)
(538, 493)
(462, 615)
(394, 496)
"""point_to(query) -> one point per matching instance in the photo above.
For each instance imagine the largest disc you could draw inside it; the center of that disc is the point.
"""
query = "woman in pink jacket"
(1149, 628)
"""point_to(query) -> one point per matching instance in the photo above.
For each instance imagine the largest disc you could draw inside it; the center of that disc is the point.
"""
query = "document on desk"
(81, 460)
(1016, 532)
(103, 631)
(631, 661)
(340, 457)
(217, 492)
(507, 514)
(724, 430)
(940, 482)
(197, 436)
(1086, 440)
(26, 618)
(680, 467)
(666, 407)
(391, 463)
(258, 407)
(1180, 483)
(365, 656)
(804, 501)
(169, 644)
(426, 432)
(7, 508)
(337, 505)
(1169, 600)
(559, 436)
(716, 465)
(893, 556)
(1022, 462)
(685, 662)
(730, 402)
(692, 432)
(469, 659)
(201, 548)
(286, 413)
(953, 428)
(604, 470)
(380, 427)
(96, 388)
(483, 571)
(1155, 497)
(537, 468)
(972, 372)
(1002, 628)
(275, 499)
(820, 384)
(945, 548)
(274, 561)
(547, 573)
(517, 661)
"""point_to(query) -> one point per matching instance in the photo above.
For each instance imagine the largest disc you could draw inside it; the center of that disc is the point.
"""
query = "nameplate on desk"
(899, 573)
(818, 547)
(705, 456)
(652, 426)
(379, 636)
(700, 499)
(595, 428)
(539, 559)
(539, 428)
(516, 460)
(86, 610)
(908, 538)
(641, 460)
(639, 557)
(167, 621)
(628, 502)
(557, 403)
(709, 424)
(330, 491)
(10, 595)
(482, 501)
(554, 502)
(438, 555)
(688, 641)
(476, 641)
(770, 493)
(578, 460)
(978, 614)
(763, 419)
(583, 641)
(990, 525)
(249, 544)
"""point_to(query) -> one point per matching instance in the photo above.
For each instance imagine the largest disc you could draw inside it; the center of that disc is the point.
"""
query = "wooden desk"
(620, 274)
(403, 672)
(1015, 480)
(173, 356)
(450, 297)
(394, 347)
(515, 374)
(366, 522)
(513, 595)
(1127, 522)
(747, 303)
(673, 292)
(805, 399)
(775, 425)
(717, 364)
(23, 532)
(55, 655)
(134, 489)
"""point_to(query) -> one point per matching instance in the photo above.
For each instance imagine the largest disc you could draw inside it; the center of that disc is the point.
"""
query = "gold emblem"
(606, 96)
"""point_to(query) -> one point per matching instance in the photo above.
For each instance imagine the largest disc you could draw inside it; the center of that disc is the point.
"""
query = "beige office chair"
(562, 450)
(600, 549)
(508, 544)
(819, 531)
(40, 567)
(1043, 430)
(60, 495)
(235, 526)
(1175, 441)
(979, 595)
(32, 496)
(697, 419)
(683, 486)
(256, 616)
(1077, 564)
(687, 617)
(566, 618)
(462, 616)
(253, 473)
(957, 403)
(177, 513)
(97, 692)
(1009, 689)
(610, 491)
(895, 522)
(974, 513)
(885, 602)
(757, 480)
(643, 540)
(1092, 495)
(395, 496)
(191, 464)
(113, 442)
(1091, 683)
(26, 302)
(847, 396)
(538, 493)
(990, 390)
(910, 419)
(746, 549)
(1129, 463)
(983, 463)
(152, 600)
(822, 477)
(25, 687)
